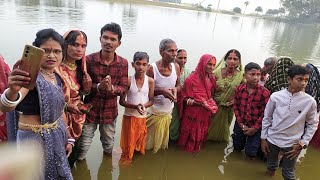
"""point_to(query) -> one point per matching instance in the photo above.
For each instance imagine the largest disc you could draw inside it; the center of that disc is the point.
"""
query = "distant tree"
(209, 6)
(282, 11)
(237, 10)
(259, 9)
(246, 4)
(272, 12)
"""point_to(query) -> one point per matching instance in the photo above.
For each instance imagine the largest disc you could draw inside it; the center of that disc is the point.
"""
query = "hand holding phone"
(30, 62)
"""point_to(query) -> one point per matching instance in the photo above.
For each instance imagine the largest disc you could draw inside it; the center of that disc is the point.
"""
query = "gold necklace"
(70, 66)
(51, 76)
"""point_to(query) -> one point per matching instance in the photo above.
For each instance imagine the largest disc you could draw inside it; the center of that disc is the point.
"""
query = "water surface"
(143, 28)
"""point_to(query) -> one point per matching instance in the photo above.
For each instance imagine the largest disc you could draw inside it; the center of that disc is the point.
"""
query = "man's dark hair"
(44, 35)
(297, 70)
(250, 66)
(112, 27)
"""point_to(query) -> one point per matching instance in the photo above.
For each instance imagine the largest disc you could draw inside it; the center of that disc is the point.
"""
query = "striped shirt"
(289, 118)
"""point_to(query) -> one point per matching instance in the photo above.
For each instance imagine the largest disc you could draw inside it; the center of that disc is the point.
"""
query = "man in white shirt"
(290, 120)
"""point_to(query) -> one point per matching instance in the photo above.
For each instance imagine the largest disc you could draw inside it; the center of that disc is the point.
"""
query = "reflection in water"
(129, 19)
(235, 19)
(295, 41)
(105, 169)
(81, 171)
(27, 2)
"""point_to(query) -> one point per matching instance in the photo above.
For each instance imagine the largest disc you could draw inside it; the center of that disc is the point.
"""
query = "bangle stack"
(71, 141)
(6, 102)
(190, 102)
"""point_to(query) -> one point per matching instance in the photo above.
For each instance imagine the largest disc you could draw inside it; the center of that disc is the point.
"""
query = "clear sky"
(230, 4)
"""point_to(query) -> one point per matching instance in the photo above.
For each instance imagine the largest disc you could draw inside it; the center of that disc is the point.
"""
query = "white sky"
(230, 4)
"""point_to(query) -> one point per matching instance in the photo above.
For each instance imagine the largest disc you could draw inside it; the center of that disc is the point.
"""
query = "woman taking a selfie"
(77, 83)
(41, 109)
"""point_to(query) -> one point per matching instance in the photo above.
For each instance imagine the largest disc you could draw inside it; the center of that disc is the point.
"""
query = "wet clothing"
(175, 121)
(53, 140)
(105, 106)
(313, 89)
(288, 164)
(134, 128)
(133, 135)
(195, 120)
(249, 110)
(250, 144)
(220, 122)
(157, 131)
(159, 117)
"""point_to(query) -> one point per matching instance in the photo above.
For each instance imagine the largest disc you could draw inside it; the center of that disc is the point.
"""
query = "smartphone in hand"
(30, 62)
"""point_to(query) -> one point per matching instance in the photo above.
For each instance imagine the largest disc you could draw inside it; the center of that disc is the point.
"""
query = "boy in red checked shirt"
(249, 104)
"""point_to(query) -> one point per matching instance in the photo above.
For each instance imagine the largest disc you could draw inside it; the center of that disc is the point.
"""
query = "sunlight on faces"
(252, 76)
(182, 58)
(140, 66)
(53, 54)
(298, 82)
(211, 65)
(78, 48)
(109, 41)
(170, 53)
(233, 60)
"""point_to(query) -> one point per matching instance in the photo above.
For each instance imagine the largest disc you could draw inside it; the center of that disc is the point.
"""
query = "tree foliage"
(272, 12)
(259, 9)
(303, 9)
(237, 10)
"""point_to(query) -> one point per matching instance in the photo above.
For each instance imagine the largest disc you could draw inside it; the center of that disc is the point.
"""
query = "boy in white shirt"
(139, 97)
(290, 120)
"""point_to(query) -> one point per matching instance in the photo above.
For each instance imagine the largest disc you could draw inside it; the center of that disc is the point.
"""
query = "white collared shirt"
(289, 118)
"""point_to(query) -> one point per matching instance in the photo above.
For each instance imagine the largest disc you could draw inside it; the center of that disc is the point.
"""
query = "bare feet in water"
(270, 173)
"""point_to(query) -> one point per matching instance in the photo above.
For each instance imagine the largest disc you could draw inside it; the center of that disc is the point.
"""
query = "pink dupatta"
(198, 87)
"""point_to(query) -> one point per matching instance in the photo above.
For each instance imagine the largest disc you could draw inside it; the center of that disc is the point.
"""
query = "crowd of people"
(276, 107)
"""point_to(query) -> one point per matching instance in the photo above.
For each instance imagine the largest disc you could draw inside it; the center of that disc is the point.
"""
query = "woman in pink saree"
(4, 73)
(197, 105)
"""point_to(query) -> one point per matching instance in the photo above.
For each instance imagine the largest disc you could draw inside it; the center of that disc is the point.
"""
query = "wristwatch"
(303, 146)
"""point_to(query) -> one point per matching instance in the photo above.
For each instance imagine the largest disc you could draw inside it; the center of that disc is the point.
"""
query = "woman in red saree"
(4, 73)
(197, 105)
(77, 83)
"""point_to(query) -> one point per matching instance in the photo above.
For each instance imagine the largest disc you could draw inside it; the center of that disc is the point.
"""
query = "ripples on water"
(143, 28)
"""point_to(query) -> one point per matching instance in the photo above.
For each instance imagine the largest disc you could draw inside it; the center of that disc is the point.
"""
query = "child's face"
(253, 76)
(140, 66)
(299, 82)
